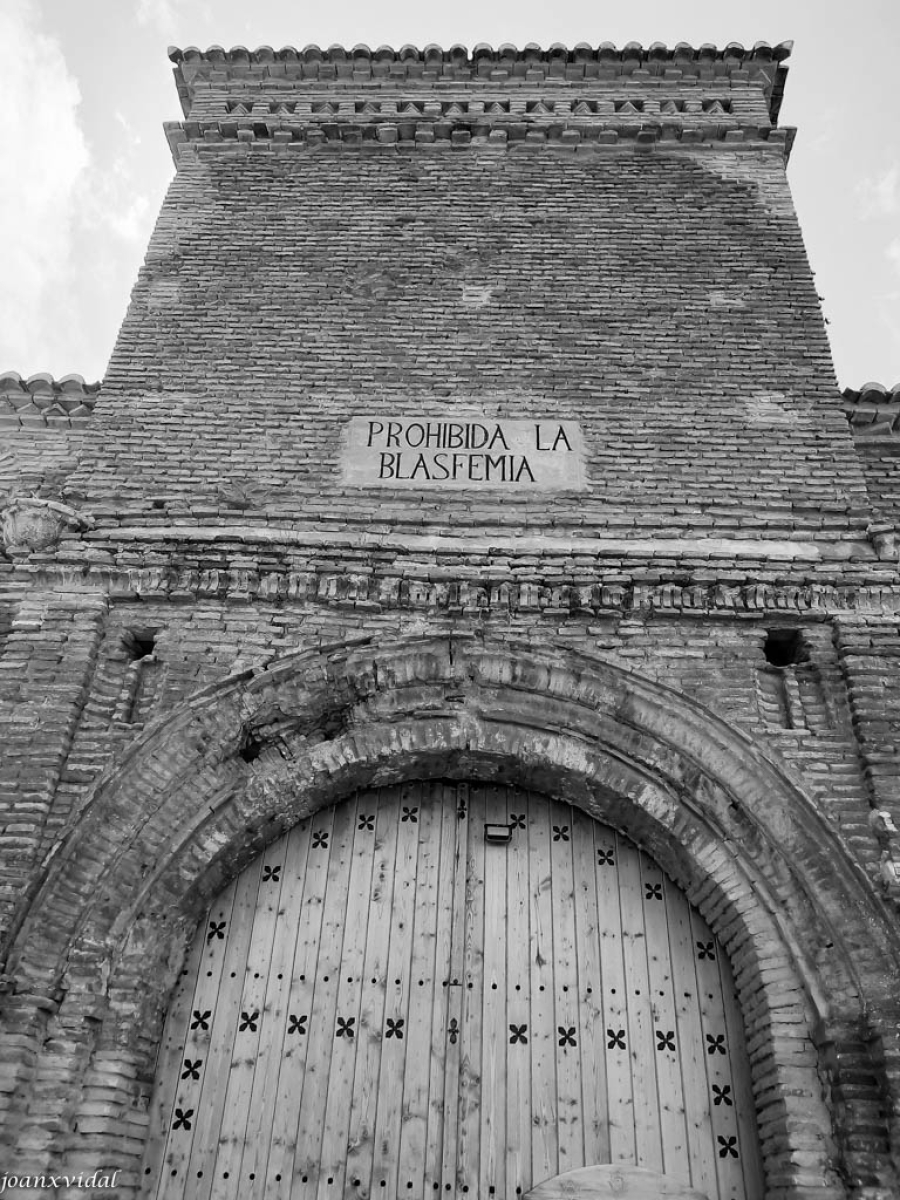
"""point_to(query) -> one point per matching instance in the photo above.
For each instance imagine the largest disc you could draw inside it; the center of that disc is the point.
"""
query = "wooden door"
(397, 999)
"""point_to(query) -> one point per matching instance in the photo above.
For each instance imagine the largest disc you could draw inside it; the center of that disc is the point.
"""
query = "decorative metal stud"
(297, 1024)
(517, 820)
(453, 1031)
(395, 1028)
(192, 1069)
(566, 1035)
(653, 891)
(216, 930)
(616, 1039)
(320, 839)
(706, 950)
(248, 1021)
(345, 1027)
(560, 833)
(201, 1019)
(722, 1095)
(665, 1041)
(271, 873)
(606, 858)
(409, 814)
(715, 1045)
(518, 1034)
(366, 822)
(182, 1118)
(728, 1147)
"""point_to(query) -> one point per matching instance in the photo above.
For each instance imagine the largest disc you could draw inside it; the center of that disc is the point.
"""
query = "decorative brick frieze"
(370, 591)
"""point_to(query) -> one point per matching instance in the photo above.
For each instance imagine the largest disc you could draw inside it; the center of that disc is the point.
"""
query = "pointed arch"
(204, 790)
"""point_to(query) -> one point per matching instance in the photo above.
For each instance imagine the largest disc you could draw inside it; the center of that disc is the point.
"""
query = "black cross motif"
(320, 839)
(192, 1069)
(665, 1041)
(616, 1039)
(606, 858)
(461, 812)
(201, 1019)
(715, 1044)
(409, 814)
(653, 891)
(394, 1028)
(182, 1118)
(517, 820)
(728, 1147)
(518, 1034)
(248, 1021)
(723, 1095)
(297, 1024)
(560, 833)
(216, 930)
(273, 873)
(566, 1036)
(366, 822)
(345, 1027)
(453, 1031)
(706, 950)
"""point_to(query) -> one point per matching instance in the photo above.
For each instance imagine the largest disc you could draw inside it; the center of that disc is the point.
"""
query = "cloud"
(45, 164)
(893, 254)
(165, 14)
(879, 195)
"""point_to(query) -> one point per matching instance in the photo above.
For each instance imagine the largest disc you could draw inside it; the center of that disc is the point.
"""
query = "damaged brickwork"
(206, 634)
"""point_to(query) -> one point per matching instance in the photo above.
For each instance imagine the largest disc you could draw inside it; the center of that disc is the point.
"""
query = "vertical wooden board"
(445, 799)
(426, 974)
(364, 1101)
(590, 1028)
(203, 1168)
(325, 1023)
(666, 1047)
(183, 1051)
(564, 1028)
(641, 1039)
(393, 1050)
(456, 992)
(615, 1001)
(469, 1082)
(751, 1176)
(336, 1114)
(518, 975)
(495, 1026)
(311, 876)
(263, 1112)
(253, 1035)
(544, 1144)
(692, 1050)
(720, 1084)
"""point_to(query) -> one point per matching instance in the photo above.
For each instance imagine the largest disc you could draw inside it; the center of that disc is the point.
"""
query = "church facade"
(449, 669)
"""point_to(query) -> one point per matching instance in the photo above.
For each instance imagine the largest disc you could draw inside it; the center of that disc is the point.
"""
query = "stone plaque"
(539, 454)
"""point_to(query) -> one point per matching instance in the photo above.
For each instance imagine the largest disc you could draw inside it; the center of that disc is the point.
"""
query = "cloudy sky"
(86, 164)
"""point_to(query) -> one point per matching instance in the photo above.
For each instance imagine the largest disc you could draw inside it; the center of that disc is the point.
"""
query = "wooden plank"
(615, 1001)
(204, 1173)
(564, 1029)
(276, 1011)
(337, 1104)
(747, 1178)
(183, 1052)
(364, 1101)
(641, 1040)
(312, 873)
(252, 1040)
(544, 1141)
(443, 796)
(518, 995)
(456, 989)
(393, 1050)
(325, 1021)
(426, 972)
(495, 1036)
(591, 1029)
(692, 1052)
(469, 1127)
(634, 1183)
(666, 1047)
(719, 1081)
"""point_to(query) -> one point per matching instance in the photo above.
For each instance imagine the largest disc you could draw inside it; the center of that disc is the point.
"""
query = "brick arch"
(204, 791)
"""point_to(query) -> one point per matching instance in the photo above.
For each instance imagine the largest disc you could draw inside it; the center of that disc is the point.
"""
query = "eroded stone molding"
(202, 793)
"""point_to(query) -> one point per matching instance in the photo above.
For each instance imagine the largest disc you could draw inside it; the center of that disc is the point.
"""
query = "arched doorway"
(450, 989)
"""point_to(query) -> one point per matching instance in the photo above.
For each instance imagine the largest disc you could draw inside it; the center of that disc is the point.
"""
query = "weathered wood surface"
(393, 1005)
(595, 1183)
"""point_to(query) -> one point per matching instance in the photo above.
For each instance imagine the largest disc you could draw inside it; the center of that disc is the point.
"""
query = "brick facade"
(206, 634)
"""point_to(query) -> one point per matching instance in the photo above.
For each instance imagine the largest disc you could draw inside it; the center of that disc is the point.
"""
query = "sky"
(85, 165)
